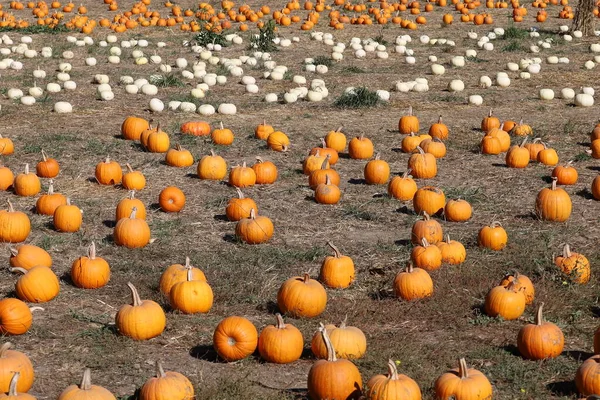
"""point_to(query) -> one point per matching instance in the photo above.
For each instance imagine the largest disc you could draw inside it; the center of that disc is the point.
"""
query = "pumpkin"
(336, 140)
(429, 199)
(7, 146)
(314, 162)
(212, 167)
(12, 390)
(490, 122)
(90, 272)
(337, 271)
(48, 167)
(491, 145)
(109, 172)
(255, 229)
(453, 252)
(586, 377)
(126, 205)
(492, 237)
(196, 128)
(565, 174)
(281, 343)
(320, 175)
(14, 225)
(434, 146)
(278, 141)
(402, 187)
(463, 383)
(332, 378)
(534, 148)
(36, 285)
(521, 283)
(413, 283)
(553, 204)
(15, 316)
(547, 156)
(131, 232)
(426, 256)
(191, 296)
(266, 172)
(27, 256)
(222, 136)
(235, 338)
(178, 273)
(142, 319)
(67, 218)
(239, 208)
(394, 386)
(458, 210)
(410, 143)
(521, 129)
(360, 148)
(377, 172)
(517, 156)
(168, 385)
(596, 188)
(47, 203)
(505, 301)
(509, 125)
(11, 362)
(595, 133)
(133, 180)
(7, 178)
(597, 341)
(576, 266)
(86, 390)
(132, 128)
(502, 136)
(439, 130)
(541, 340)
(27, 183)
(349, 341)
(423, 165)
(157, 141)
(428, 229)
(179, 157)
(301, 296)
(262, 131)
(328, 192)
(171, 199)
(408, 123)
(326, 151)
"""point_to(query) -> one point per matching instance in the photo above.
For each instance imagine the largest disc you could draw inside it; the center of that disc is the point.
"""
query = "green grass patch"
(512, 46)
(168, 80)
(360, 97)
(512, 32)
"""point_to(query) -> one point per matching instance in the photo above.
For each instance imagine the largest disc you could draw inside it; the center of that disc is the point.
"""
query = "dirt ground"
(76, 330)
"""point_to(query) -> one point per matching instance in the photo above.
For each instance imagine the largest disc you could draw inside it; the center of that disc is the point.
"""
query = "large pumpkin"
(14, 225)
(131, 232)
(423, 165)
(12, 361)
(178, 273)
(85, 390)
(212, 167)
(587, 377)
(168, 385)
(36, 285)
(235, 338)
(47, 203)
(142, 319)
(90, 272)
(413, 283)
(27, 256)
(575, 265)
(349, 342)
(428, 229)
(463, 383)
(15, 317)
(402, 187)
(492, 237)
(132, 128)
(540, 340)
(553, 204)
(337, 271)
(521, 283)
(281, 343)
(394, 386)
(302, 297)
(255, 229)
(429, 199)
(191, 296)
(408, 123)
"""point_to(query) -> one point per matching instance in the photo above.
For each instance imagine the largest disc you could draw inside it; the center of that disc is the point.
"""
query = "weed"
(472, 195)
(359, 213)
(582, 157)
(448, 98)
(352, 69)
(512, 46)
(379, 39)
(569, 127)
(264, 40)
(206, 37)
(323, 60)
(512, 32)
(358, 98)
(476, 59)
(35, 29)
(169, 80)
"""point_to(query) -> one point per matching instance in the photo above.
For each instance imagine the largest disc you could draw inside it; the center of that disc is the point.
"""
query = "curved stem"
(68, 201)
(539, 317)
(135, 296)
(335, 250)
(44, 157)
(212, 153)
(239, 193)
(424, 242)
(86, 381)
(131, 195)
(392, 370)
(331, 357)
(323, 144)
(12, 389)
(36, 308)
(406, 174)
(462, 366)
(160, 372)
(4, 348)
(13, 251)
(133, 213)
(259, 159)
(495, 224)
(325, 163)
(129, 167)
(339, 129)
(317, 153)
(178, 147)
(306, 278)
(190, 272)
(377, 156)
(420, 150)
(425, 216)
(252, 213)
(18, 269)
(280, 323)
(524, 141)
(567, 251)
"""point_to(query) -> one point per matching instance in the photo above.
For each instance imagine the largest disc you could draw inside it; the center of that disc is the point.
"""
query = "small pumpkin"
(393, 386)
(410, 143)
(12, 390)
(302, 297)
(596, 188)
(349, 341)
(490, 122)
(142, 319)
(196, 128)
(191, 296)
(548, 156)
(281, 343)
(262, 131)
(178, 273)
(326, 151)
(463, 383)
(505, 301)
(492, 237)
(586, 377)
(517, 156)
(131, 232)
(67, 218)
(133, 180)
(27, 256)
(255, 229)
(266, 172)
(11, 362)
(7, 178)
(126, 205)
(171, 199)
(439, 130)
(27, 183)
(428, 229)
(377, 171)
(7, 146)
(327, 193)
(541, 340)
(235, 338)
(90, 272)
(157, 141)
(320, 175)
(179, 157)
(423, 165)
(15, 316)
(109, 172)
(48, 167)
(14, 225)
(239, 207)
(132, 127)
(553, 204)
(360, 148)
(490, 145)
(458, 210)
(36, 285)
(534, 148)
(509, 125)
(426, 256)
(565, 174)
(575, 265)
(403, 187)
(434, 146)
(521, 283)
(408, 123)
(242, 176)
(336, 140)
(314, 162)
(453, 252)
(222, 136)
(85, 390)
(429, 199)
(337, 271)
(278, 141)
(521, 129)
(167, 385)
(47, 203)
(413, 283)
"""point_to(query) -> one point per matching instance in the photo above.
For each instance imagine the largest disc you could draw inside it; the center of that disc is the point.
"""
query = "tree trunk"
(584, 17)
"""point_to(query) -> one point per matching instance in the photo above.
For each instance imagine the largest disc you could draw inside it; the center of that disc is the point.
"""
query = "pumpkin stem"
(107, 160)
(160, 372)
(10, 206)
(323, 144)
(448, 238)
(12, 389)
(259, 159)
(337, 252)
(129, 167)
(86, 381)
(339, 129)
(554, 179)
(190, 272)
(32, 309)
(133, 213)
(131, 195)
(490, 113)
(409, 267)
(392, 370)
(440, 120)
(306, 278)
(569, 163)
(410, 111)
(26, 169)
(178, 147)
(4, 348)
(537, 140)
(420, 150)
(68, 201)
(280, 323)
(44, 157)
(51, 188)
(567, 251)
(239, 193)
(252, 213)
(325, 164)
(512, 284)
(284, 148)
(343, 324)
(13, 251)
(539, 317)
(495, 224)
(377, 156)
(425, 216)
(524, 141)
(424, 242)
(406, 174)
(18, 269)
(463, 371)
(187, 263)
(135, 296)
(244, 164)
(212, 153)
(92, 251)
(331, 357)
(221, 125)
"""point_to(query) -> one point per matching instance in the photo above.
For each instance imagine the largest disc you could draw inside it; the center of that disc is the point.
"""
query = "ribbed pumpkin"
(266, 172)
(328, 192)
(326, 151)
(171, 199)
(337, 271)
(490, 122)
(458, 210)
(90, 272)
(434, 146)
(235, 338)
(439, 130)
(413, 283)
(429, 199)
(349, 341)
(262, 131)
(360, 148)
(548, 156)
(178, 273)
(320, 175)
(278, 141)
(196, 128)
(534, 148)
(490, 145)
(453, 252)
(85, 390)
(517, 156)
(332, 378)
(463, 383)
(131, 232)
(7, 146)
(48, 167)
(191, 296)
(7, 178)
(521, 283)
(505, 301)
(36, 285)
(133, 180)
(27, 256)
(168, 385)
(255, 229)
(142, 319)
(242, 176)
(157, 141)
(239, 207)
(423, 165)
(394, 386)
(15, 316)
(179, 157)
(565, 174)
(492, 237)
(408, 123)
(410, 142)
(12, 361)
(281, 343)
(541, 340)
(553, 204)
(502, 136)
(27, 183)
(301, 296)
(132, 128)
(47, 203)
(336, 140)
(428, 229)
(377, 171)
(14, 225)
(426, 256)
(12, 390)
(402, 187)
(314, 162)
(596, 188)
(521, 129)
(576, 266)
(222, 136)
(587, 377)
(126, 206)
(109, 172)
(67, 218)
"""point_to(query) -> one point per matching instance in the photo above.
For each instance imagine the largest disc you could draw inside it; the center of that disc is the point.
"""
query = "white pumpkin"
(101, 78)
(187, 106)
(546, 94)
(149, 90)
(63, 107)
(70, 85)
(53, 87)
(14, 93)
(271, 98)
(173, 105)
(475, 99)
(456, 85)
(39, 73)
(90, 61)
(156, 105)
(567, 93)
(438, 69)
(107, 95)
(206, 109)
(584, 100)
(227, 109)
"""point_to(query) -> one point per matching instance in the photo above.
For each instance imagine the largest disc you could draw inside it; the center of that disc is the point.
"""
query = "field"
(77, 330)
